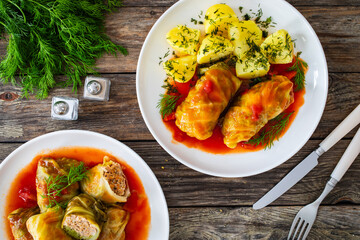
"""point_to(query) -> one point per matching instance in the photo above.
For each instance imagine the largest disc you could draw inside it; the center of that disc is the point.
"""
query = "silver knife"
(306, 165)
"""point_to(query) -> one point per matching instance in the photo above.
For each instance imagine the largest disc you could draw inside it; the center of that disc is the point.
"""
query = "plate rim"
(215, 173)
(6, 162)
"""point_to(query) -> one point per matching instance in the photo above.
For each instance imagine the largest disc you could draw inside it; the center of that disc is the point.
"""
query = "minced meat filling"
(80, 225)
(115, 177)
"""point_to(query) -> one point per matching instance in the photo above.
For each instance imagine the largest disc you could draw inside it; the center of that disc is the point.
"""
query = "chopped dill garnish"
(169, 87)
(271, 132)
(55, 185)
(300, 67)
(161, 59)
(167, 104)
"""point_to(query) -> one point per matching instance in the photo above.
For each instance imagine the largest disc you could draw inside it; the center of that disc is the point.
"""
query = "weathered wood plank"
(22, 120)
(337, 27)
(273, 223)
(184, 187)
(168, 3)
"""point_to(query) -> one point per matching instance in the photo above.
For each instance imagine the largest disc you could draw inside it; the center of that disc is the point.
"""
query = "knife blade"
(306, 165)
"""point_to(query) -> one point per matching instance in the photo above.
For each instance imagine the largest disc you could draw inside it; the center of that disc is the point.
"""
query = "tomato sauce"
(215, 143)
(137, 204)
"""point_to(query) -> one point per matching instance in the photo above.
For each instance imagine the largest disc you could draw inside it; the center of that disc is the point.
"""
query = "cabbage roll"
(49, 169)
(47, 225)
(252, 110)
(18, 220)
(84, 217)
(114, 228)
(107, 182)
(198, 114)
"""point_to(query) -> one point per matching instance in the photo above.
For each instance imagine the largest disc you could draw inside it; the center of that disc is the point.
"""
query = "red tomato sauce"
(137, 204)
(215, 143)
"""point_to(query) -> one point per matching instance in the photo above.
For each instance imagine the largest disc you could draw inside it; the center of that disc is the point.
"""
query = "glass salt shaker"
(97, 88)
(64, 108)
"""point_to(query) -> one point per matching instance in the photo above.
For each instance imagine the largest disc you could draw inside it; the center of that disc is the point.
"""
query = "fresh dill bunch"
(48, 38)
(272, 131)
(55, 185)
(300, 66)
(167, 104)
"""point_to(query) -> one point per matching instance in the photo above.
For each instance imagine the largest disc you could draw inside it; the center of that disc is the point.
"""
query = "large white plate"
(23, 155)
(150, 77)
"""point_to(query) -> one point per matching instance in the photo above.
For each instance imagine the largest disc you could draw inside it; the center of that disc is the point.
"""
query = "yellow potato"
(278, 47)
(184, 40)
(252, 65)
(218, 18)
(181, 69)
(243, 35)
(214, 48)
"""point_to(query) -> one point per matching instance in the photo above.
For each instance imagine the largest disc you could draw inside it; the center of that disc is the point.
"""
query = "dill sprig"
(167, 104)
(48, 38)
(300, 67)
(55, 185)
(271, 132)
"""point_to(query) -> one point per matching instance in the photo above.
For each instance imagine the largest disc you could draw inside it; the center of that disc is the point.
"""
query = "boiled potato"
(218, 18)
(214, 48)
(252, 65)
(181, 69)
(278, 47)
(243, 35)
(184, 40)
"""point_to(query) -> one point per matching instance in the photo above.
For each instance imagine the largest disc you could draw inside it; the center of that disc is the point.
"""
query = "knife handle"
(351, 152)
(342, 129)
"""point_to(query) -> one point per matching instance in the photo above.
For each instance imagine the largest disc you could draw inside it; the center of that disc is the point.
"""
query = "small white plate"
(23, 155)
(150, 77)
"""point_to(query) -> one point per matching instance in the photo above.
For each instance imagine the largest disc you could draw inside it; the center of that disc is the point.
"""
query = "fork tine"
(297, 221)
(304, 226)
(306, 232)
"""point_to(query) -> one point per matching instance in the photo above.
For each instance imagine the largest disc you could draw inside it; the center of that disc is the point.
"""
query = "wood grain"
(270, 223)
(24, 119)
(338, 28)
(184, 187)
(309, 3)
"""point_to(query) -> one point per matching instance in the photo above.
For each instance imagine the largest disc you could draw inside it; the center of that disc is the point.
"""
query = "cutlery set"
(306, 216)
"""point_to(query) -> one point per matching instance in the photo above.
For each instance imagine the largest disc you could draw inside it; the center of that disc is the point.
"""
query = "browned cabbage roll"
(198, 114)
(18, 220)
(253, 109)
(114, 227)
(107, 182)
(49, 169)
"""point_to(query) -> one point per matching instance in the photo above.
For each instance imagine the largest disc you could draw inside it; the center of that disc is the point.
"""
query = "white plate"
(150, 77)
(23, 155)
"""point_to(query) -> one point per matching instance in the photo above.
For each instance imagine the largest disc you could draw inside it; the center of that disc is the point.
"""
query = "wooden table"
(201, 206)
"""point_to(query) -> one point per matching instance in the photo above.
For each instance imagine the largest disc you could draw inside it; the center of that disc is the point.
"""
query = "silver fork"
(305, 218)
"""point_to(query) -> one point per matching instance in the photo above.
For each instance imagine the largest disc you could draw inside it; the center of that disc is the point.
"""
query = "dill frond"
(48, 38)
(300, 67)
(167, 104)
(271, 132)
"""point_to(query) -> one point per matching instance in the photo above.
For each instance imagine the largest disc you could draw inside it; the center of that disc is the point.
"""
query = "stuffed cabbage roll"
(18, 220)
(252, 110)
(198, 114)
(114, 228)
(84, 217)
(107, 182)
(50, 169)
(47, 225)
